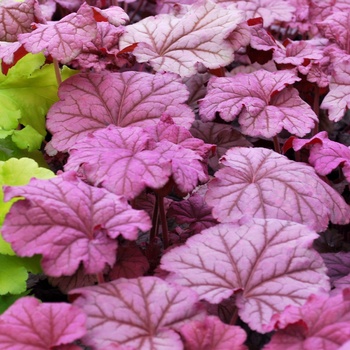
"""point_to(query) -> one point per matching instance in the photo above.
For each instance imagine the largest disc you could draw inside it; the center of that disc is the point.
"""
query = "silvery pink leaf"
(241, 36)
(268, 264)
(169, 6)
(261, 100)
(71, 5)
(260, 183)
(338, 265)
(261, 39)
(69, 222)
(131, 262)
(32, 325)
(318, 72)
(338, 98)
(326, 155)
(101, 52)
(221, 135)
(114, 15)
(17, 17)
(188, 168)
(342, 283)
(336, 28)
(322, 323)
(48, 8)
(92, 101)
(119, 159)
(179, 44)
(8, 51)
(320, 9)
(196, 86)
(212, 334)
(301, 15)
(63, 40)
(147, 312)
(194, 212)
(270, 11)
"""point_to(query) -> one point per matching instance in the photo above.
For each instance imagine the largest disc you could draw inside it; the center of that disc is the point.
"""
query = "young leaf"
(147, 312)
(268, 264)
(31, 325)
(69, 222)
(119, 159)
(261, 183)
(261, 101)
(92, 101)
(212, 334)
(322, 323)
(177, 44)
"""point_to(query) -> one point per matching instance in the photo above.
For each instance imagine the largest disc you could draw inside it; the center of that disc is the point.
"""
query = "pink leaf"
(212, 334)
(17, 17)
(31, 325)
(266, 263)
(260, 183)
(147, 313)
(119, 159)
(63, 40)
(194, 212)
(69, 222)
(92, 101)
(114, 15)
(325, 155)
(178, 43)
(261, 101)
(338, 98)
(322, 323)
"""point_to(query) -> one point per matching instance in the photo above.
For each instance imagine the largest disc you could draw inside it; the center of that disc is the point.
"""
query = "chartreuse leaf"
(14, 270)
(26, 93)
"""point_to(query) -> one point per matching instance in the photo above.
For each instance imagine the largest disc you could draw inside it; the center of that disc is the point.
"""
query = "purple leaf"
(69, 222)
(325, 155)
(260, 183)
(31, 325)
(212, 334)
(178, 43)
(266, 263)
(338, 265)
(92, 101)
(147, 313)
(322, 323)
(119, 159)
(17, 17)
(64, 39)
(261, 101)
(338, 98)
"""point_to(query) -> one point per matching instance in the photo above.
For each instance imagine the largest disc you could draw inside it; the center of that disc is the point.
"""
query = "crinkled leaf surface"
(17, 17)
(92, 101)
(266, 263)
(322, 323)
(257, 182)
(119, 159)
(212, 334)
(261, 101)
(63, 40)
(146, 311)
(69, 222)
(325, 155)
(32, 325)
(178, 44)
(338, 98)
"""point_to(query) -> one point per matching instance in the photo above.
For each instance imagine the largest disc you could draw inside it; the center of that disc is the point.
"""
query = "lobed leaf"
(268, 264)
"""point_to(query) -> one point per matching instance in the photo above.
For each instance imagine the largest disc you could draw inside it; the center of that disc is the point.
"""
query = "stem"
(276, 145)
(155, 222)
(138, 7)
(163, 222)
(100, 278)
(57, 72)
(234, 317)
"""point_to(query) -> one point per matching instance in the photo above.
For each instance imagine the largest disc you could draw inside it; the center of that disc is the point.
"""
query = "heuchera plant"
(177, 172)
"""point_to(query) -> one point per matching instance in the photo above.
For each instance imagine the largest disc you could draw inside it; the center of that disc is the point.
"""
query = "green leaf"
(7, 300)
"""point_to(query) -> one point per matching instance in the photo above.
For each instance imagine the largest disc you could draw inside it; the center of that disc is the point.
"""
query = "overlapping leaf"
(119, 159)
(261, 101)
(92, 101)
(178, 44)
(322, 323)
(31, 325)
(268, 264)
(69, 222)
(338, 265)
(260, 183)
(147, 312)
